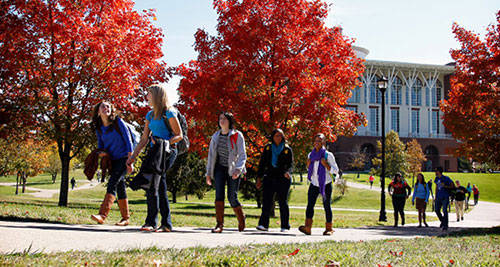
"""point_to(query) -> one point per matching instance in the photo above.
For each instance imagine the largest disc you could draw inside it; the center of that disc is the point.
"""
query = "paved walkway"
(48, 193)
(44, 237)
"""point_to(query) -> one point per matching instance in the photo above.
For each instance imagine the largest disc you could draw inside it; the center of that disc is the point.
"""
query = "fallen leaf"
(452, 261)
(157, 262)
(294, 253)
(331, 263)
(401, 253)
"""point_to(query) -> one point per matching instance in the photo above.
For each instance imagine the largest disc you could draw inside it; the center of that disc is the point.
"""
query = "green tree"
(395, 157)
(187, 176)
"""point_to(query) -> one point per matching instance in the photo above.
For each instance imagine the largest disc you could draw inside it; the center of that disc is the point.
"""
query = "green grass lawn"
(44, 180)
(479, 247)
(488, 183)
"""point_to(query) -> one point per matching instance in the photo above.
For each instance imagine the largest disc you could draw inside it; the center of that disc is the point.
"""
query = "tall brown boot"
(219, 216)
(306, 229)
(123, 205)
(241, 218)
(104, 210)
(328, 229)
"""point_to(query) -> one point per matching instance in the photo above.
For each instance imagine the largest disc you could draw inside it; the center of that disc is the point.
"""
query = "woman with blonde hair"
(157, 134)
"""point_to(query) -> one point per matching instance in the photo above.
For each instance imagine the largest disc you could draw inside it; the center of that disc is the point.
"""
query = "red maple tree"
(472, 111)
(273, 63)
(58, 58)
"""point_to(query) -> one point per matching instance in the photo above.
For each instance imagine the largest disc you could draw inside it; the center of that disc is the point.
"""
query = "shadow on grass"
(464, 232)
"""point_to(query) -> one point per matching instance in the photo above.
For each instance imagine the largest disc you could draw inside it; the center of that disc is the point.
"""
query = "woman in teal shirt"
(421, 195)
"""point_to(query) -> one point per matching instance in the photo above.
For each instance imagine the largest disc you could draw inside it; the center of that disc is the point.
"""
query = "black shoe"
(426, 225)
(419, 226)
(462, 218)
(458, 220)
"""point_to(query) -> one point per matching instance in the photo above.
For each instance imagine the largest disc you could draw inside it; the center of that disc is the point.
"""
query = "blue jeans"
(116, 183)
(312, 195)
(159, 199)
(221, 178)
(442, 203)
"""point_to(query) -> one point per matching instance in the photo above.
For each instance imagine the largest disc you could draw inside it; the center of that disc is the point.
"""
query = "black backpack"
(183, 145)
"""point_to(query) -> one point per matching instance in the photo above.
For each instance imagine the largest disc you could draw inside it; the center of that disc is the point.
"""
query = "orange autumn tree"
(273, 63)
(472, 111)
(58, 58)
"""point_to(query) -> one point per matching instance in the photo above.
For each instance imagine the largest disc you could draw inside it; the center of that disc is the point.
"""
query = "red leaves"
(395, 253)
(294, 252)
(381, 265)
(452, 262)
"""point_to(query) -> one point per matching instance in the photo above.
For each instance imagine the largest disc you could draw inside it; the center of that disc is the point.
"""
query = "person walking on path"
(73, 183)
(459, 200)
(421, 198)
(469, 191)
(371, 179)
(162, 154)
(475, 190)
(114, 137)
(443, 186)
(226, 163)
(399, 190)
(275, 167)
(321, 165)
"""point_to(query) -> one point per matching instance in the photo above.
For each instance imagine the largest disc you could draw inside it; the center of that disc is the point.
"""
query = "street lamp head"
(382, 83)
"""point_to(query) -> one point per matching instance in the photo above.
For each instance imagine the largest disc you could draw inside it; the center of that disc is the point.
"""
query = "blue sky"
(408, 31)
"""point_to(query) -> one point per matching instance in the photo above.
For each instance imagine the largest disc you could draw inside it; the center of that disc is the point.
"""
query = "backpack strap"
(165, 120)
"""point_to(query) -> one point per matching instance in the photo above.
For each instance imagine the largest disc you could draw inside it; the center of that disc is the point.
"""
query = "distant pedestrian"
(399, 190)
(469, 192)
(275, 168)
(73, 183)
(321, 165)
(421, 198)
(226, 164)
(443, 186)
(371, 179)
(459, 200)
(475, 191)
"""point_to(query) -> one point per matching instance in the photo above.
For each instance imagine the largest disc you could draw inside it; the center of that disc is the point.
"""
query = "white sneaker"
(261, 228)
(284, 230)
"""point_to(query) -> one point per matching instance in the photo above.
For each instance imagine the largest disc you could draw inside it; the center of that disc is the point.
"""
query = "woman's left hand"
(287, 175)
(236, 174)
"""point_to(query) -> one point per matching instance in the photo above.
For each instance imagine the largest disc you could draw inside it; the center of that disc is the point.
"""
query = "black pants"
(116, 183)
(398, 203)
(312, 195)
(281, 186)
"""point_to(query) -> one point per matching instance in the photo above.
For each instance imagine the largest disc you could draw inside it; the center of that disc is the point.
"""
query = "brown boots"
(241, 218)
(123, 205)
(306, 229)
(328, 229)
(219, 215)
(106, 206)
(104, 210)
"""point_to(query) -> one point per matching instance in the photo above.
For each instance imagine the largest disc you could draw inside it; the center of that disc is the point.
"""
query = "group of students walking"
(445, 190)
(225, 166)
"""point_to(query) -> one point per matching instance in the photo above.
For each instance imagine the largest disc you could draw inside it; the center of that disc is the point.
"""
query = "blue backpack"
(134, 134)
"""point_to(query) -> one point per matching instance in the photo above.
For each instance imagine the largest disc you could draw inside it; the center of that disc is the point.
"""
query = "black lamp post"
(382, 86)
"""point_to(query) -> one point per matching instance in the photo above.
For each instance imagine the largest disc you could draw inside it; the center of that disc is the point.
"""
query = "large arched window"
(396, 87)
(375, 95)
(356, 96)
(436, 94)
(416, 93)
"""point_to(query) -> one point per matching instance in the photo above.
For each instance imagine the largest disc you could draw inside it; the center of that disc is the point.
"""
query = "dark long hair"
(97, 121)
(274, 132)
(229, 116)
(423, 180)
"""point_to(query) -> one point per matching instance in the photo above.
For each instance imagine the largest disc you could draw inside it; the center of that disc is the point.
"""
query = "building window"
(436, 94)
(435, 121)
(355, 95)
(375, 95)
(395, 119)
(396, 91)
(352, 108)
(373, 123)
(416, 93)
(415, 121)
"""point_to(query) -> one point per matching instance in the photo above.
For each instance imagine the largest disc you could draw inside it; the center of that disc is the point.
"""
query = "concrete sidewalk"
(44, 237)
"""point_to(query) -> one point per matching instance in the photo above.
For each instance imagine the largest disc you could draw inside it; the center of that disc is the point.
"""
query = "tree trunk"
(54, 177)
(63, 192)
(187, 197)
(301, 179)
(23, 177)
(174, 196)
(17, 183)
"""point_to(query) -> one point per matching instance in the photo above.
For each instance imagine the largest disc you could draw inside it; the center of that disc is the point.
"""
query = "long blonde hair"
(160, 100)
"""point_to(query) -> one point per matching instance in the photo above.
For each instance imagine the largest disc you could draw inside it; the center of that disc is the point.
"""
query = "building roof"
(445, 69)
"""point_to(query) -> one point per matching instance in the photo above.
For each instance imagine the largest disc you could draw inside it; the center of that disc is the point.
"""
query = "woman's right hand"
(209, 180)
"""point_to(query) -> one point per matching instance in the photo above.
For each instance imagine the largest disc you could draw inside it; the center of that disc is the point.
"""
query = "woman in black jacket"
(276, 169)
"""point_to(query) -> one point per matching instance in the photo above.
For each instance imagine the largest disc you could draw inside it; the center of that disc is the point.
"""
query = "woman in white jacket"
(225, 164)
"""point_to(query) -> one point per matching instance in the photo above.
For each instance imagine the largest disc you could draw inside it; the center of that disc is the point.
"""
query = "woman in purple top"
(321, 165)
(113, 137)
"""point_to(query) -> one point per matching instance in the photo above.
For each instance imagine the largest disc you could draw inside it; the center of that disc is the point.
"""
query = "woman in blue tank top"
(113, 137)
(156, 129)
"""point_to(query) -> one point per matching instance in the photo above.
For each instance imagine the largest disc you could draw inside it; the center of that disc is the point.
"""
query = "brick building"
(412, 110)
